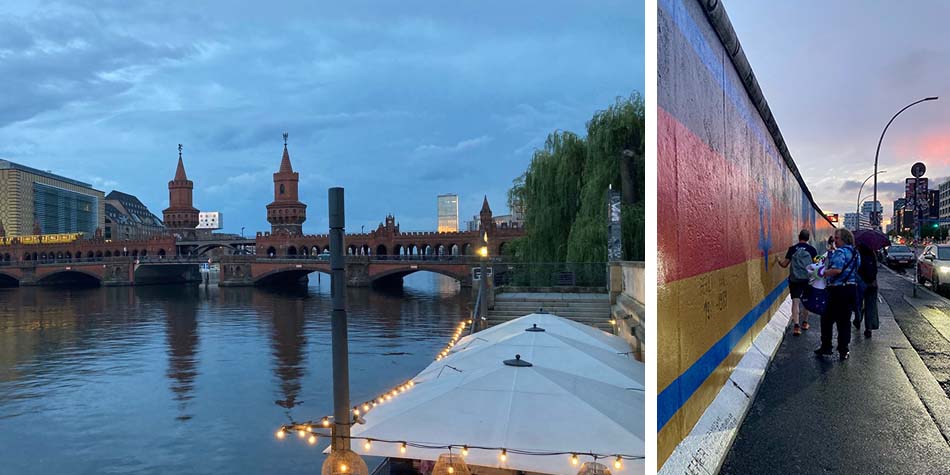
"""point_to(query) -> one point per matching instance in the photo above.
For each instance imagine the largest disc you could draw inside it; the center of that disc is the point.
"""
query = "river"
(196, 379)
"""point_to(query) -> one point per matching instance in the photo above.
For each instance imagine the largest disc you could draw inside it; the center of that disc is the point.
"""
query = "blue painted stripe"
(694, 36)
(682, 388)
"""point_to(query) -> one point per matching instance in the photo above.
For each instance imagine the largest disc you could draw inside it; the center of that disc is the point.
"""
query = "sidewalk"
(881, 411)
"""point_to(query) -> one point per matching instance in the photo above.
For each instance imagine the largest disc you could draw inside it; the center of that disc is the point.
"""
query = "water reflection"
(102, 364)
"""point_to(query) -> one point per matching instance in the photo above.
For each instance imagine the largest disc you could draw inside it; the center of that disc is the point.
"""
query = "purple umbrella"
(871, 238)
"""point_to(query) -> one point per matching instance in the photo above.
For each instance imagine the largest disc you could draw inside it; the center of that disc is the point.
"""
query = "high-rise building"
(448, 208)
(33, 200)
(128, 218)
(853, 220)
(944, 209)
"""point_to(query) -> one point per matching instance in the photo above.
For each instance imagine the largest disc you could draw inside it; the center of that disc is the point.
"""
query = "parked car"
(899, 256)
(933, 265)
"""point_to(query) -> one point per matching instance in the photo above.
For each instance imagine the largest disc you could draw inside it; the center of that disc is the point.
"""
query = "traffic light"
(935, 225)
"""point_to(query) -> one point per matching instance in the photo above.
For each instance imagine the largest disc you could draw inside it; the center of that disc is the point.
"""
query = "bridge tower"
(286, 213)
(487, 224)
(181, 217)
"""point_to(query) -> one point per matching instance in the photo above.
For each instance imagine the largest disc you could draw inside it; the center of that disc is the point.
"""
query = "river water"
(196, 379)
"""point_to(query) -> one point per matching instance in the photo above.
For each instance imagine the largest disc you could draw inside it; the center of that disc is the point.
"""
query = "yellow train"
(64, 238)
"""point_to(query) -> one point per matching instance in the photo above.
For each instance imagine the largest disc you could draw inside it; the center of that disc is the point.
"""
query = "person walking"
(867, 305)
(799, 256)
(842, 279)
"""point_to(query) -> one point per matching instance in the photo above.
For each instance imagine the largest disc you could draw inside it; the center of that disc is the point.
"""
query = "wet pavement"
(881, 411)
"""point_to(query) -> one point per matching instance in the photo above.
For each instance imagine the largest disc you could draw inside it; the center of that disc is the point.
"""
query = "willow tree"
(564, 191)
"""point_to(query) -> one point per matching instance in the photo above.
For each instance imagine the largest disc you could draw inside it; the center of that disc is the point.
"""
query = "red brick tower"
(286, 214)
(485, 218)
(181, 217)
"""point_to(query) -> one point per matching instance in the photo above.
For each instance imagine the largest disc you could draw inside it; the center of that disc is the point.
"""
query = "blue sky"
(395, 101)
(835, 72)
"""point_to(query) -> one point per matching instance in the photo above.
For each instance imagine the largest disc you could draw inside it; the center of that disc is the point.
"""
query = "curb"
(708, 443)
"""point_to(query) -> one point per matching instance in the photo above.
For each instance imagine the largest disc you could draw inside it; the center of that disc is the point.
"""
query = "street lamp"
(877, 222)
(857, 208)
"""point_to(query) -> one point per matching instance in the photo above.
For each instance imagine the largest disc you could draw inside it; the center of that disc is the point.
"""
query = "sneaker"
(867, 333)
(805, 326)
(822, 351)
(796, 330)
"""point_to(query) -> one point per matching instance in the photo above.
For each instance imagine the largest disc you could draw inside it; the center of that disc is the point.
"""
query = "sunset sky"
(835, 72)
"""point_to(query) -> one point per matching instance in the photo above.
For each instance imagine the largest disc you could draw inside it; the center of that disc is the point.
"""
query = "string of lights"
(313, 430)
(312, 434)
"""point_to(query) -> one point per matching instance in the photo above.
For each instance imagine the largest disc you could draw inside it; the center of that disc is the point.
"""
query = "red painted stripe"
(708, 207)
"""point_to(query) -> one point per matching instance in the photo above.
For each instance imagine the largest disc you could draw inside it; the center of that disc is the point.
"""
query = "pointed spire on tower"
(285, 160)
(180, 172)
(485, 208)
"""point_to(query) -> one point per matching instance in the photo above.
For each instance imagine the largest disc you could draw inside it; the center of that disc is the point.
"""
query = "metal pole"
(857, 207)
(877, 222)
(482, 290)
(916, 237)
(341, 371)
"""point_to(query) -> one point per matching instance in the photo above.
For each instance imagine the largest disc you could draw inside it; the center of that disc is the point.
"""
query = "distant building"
(944, 207)
(33, 200)
(853, 220)
(448, 209)
(472, 225)
(210, 220)
(128, 218)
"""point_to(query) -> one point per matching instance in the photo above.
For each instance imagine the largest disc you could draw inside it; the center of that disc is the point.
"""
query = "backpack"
(800, 262)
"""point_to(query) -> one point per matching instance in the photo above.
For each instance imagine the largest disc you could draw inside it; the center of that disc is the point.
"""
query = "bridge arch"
(440, 249)
(70, 277)
(161, 253)
(289, 273)
(201, 250)
(7, 280)
(399, 272)
(364, 250)
(380, 250)
(351, 250)
(291, 251)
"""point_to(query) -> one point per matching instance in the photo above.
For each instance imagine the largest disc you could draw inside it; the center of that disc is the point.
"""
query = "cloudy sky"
(396, 101)
(835, 72)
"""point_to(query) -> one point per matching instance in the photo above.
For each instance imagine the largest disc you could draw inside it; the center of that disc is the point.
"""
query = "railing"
(110, 259)
(379, 258)
(557, 274)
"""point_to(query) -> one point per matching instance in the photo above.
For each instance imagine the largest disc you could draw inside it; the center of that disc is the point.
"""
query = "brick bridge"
(361, 271)
(107, 271)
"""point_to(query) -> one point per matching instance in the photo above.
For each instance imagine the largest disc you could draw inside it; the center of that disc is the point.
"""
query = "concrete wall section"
(730, 202)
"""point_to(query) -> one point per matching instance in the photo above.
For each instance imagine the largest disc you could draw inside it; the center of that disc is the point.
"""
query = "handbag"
(815, 300)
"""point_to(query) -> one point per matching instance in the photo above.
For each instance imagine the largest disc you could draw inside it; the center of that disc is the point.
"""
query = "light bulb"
(326, 422)
(412, 383)
(618, 464)
(312, 439)
(367, 445)
(451, 469)
(464, 451)
(301, 433)
(380, 400)
(281, 434)
(356, 412)
(503, 455)
(365, 407)
(573, 459)
(343, 468)
(402, 448)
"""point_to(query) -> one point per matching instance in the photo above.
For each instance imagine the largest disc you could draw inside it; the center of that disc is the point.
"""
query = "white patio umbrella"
(580, 395)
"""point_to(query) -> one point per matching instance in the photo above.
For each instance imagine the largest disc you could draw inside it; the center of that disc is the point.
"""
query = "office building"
(448, 209)
(128, 218)
(32, 199)
(852, 221)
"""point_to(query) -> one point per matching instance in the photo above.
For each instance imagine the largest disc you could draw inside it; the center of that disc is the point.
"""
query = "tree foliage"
(563, 193)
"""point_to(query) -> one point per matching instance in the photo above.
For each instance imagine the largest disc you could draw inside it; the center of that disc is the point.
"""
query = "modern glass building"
(448, 208)
(57, 204)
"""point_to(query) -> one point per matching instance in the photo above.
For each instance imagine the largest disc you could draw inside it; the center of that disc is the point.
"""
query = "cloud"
(460, 146)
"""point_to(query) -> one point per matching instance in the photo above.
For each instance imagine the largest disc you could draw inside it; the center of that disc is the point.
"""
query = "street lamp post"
(857, 208)
(877, 221)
